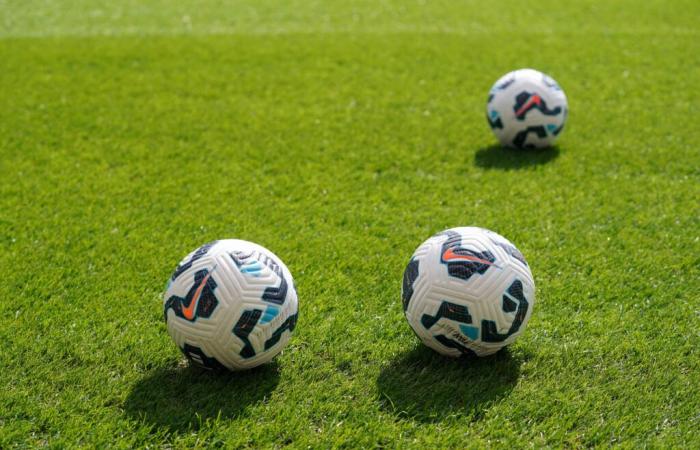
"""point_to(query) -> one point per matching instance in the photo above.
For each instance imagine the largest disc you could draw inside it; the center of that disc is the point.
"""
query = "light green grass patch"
(340, 137)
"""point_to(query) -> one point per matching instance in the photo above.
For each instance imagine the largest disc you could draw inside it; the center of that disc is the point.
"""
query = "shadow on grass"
(183, 398)
(426, 386)
(497, 157)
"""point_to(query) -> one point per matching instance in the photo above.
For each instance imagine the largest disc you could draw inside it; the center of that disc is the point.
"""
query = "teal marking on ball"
(269, 314)
(252, 268)
(470, 332)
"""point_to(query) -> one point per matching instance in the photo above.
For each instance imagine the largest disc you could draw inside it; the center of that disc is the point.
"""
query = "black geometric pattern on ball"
(504, 85)
(498, 123)
(201, 251)
(462, 262)
(451, 343)
(511, 250)
(452, 311)
(521, 137)
(288, 324)
(243, 328)
(527, 101)
(489, 330)
(409, 277)
(273, 294)
(197, 356)
(200, 300)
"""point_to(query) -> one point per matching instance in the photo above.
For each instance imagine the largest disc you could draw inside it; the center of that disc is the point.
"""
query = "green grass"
(341, 136)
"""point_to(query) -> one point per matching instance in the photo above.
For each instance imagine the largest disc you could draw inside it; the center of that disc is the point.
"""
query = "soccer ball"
(467, 291)
(526, 109)
(230, 304)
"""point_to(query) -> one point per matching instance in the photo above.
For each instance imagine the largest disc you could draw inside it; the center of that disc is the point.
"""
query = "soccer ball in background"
(467, 291)
(526, 109)
(230, 304)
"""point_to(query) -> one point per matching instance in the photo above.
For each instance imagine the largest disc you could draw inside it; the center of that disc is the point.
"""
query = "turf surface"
(341, 136)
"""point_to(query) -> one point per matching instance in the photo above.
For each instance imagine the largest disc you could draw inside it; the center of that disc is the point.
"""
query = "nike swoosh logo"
(534, 99)
(189, 311)
(450, 255)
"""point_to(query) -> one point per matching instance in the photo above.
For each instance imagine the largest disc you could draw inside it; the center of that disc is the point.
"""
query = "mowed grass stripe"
(37, 18)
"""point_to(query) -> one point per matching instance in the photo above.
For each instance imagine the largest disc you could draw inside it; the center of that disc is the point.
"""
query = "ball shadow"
(505, 158)
(182, 398)
(426, 386)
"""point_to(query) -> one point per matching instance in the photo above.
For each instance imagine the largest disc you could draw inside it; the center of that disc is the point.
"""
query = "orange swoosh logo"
(534, 99)
(189, 311)
(450, 255)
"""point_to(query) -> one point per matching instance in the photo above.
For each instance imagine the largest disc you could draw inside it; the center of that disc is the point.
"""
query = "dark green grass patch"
(341, 146)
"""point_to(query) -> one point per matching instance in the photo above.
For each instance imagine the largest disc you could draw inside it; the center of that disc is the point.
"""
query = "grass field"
(341, 135)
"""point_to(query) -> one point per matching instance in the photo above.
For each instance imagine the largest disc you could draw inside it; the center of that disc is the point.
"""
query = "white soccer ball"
(526, 109)
(230, 304)
(467, 291)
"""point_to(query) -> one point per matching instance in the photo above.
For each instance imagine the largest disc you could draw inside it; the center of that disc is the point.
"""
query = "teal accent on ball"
(494, 114)
(269, 314)
(252, 268)
(470, 332)
(551, 127)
